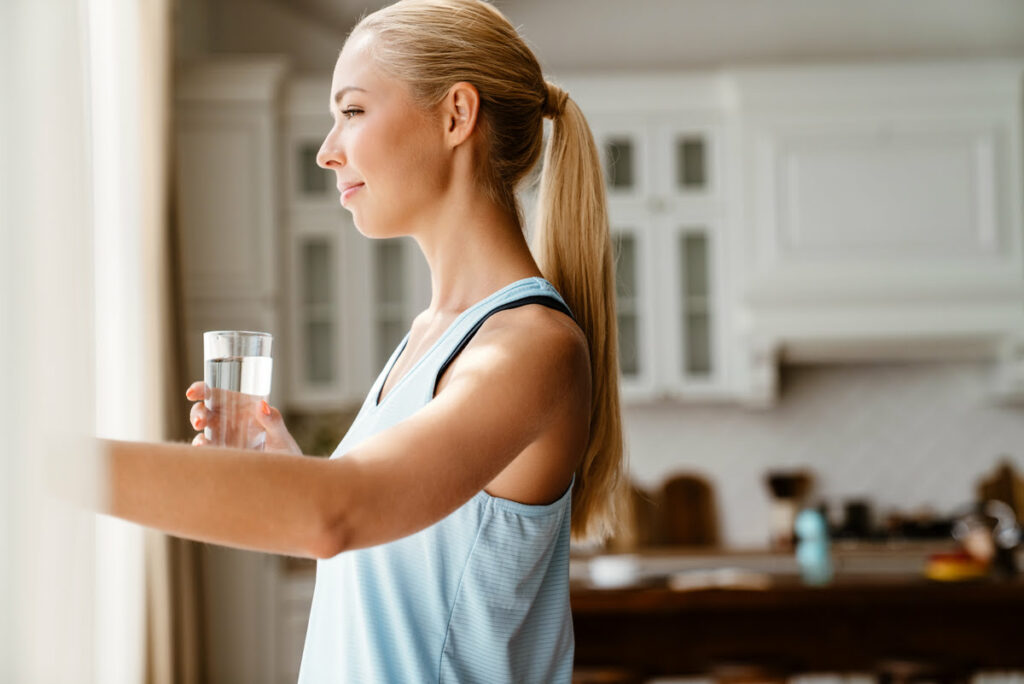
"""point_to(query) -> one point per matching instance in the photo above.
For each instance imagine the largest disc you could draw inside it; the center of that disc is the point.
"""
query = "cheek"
(401, 162)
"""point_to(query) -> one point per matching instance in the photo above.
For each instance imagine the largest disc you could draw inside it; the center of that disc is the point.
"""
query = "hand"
(259, 413)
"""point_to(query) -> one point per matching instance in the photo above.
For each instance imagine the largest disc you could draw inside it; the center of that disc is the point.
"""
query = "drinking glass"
(237, 374)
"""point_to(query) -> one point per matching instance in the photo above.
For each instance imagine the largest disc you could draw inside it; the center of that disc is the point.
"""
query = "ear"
(459, 110)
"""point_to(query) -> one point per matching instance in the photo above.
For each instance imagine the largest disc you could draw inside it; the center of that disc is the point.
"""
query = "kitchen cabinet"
(812, 213)
(663, 143)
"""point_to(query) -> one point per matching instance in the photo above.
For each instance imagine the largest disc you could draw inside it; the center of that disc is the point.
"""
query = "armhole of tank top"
(546, 300)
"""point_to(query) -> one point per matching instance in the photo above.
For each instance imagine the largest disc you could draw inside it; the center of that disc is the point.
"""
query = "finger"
(197, 390)
(201, 417)
(200, 440)
(197, 415)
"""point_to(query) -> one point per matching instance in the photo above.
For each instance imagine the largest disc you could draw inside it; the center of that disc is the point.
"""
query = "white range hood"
(880, 218)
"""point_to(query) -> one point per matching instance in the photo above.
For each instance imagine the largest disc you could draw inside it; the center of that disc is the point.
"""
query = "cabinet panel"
(227, 227)
(884, 190)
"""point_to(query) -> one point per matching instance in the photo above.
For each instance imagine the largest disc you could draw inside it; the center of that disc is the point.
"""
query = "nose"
(330, 153)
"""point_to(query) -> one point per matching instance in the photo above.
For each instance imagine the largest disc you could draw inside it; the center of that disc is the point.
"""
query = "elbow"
(330, 541)
(338, 508)
(333, 525)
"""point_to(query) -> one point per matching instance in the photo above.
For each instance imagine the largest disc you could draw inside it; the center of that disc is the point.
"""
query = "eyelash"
(350, 111)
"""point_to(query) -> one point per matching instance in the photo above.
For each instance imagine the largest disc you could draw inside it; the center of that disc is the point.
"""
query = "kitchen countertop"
(863, 560)
(853, 624)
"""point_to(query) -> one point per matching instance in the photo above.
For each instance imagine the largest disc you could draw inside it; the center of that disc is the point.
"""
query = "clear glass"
(624, 246)
(316, 272)
(319, 346)
(390, 273)
(314, 180)
(238, 368)
(691, 168)
(693, 256)
(619, 157)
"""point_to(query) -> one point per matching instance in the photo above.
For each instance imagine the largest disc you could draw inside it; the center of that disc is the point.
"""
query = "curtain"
(50, 474)
(88, 344)
(173, 566)
(140, 370)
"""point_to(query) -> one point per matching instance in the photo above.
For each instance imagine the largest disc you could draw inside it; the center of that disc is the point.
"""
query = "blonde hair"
(432, 44)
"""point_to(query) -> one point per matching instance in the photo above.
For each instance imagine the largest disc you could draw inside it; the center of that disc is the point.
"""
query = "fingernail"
(266, 408)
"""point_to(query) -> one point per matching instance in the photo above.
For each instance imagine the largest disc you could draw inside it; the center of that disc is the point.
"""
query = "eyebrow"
(341, 93)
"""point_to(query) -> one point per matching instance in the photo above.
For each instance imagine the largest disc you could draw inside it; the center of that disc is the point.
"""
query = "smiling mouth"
(349, 191)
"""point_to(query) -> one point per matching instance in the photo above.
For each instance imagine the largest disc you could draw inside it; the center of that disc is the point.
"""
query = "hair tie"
(554, 100)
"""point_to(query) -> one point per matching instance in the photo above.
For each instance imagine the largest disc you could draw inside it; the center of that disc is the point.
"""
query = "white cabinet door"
(692, 351)
(691, 209)
(667, 209)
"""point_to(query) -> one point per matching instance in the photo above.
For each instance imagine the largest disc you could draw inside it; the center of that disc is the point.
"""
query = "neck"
(473, 249)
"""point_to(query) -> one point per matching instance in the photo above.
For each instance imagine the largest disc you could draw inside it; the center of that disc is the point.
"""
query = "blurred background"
(816, 209)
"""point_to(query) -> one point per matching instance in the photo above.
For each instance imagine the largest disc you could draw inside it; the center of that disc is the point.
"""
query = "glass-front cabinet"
(667, 213)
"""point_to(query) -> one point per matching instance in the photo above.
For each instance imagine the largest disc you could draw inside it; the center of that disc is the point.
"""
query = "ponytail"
(572, 245)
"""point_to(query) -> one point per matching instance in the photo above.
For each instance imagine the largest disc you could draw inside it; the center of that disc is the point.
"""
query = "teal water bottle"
(813, 552)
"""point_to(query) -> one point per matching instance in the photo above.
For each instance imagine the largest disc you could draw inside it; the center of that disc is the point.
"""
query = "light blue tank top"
(480, 596)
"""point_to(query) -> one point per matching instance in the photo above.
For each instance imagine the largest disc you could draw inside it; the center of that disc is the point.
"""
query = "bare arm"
(510, 385)
(247, 499)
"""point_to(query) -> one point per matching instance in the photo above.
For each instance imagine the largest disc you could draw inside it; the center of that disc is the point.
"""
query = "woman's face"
(389, 151)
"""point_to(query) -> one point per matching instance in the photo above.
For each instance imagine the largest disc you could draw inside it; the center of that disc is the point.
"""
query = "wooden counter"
(849, 625)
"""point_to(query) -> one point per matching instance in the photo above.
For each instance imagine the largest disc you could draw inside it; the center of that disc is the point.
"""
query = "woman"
(442, 521)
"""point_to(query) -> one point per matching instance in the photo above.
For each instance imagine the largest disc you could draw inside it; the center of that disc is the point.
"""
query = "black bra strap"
(546, 300)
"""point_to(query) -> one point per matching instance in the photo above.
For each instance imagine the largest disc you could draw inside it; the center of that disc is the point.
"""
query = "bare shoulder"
(544, 346)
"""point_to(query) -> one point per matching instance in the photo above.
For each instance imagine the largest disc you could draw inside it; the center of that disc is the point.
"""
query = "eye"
(349, 113)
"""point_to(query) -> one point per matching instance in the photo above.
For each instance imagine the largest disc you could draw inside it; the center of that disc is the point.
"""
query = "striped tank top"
(480, 596)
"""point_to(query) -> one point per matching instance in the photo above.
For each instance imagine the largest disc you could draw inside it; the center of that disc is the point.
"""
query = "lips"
(348, 189)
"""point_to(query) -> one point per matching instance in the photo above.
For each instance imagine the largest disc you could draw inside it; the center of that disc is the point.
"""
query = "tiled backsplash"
(906, 436)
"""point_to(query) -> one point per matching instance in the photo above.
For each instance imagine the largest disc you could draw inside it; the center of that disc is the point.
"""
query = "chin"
(373, 230)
